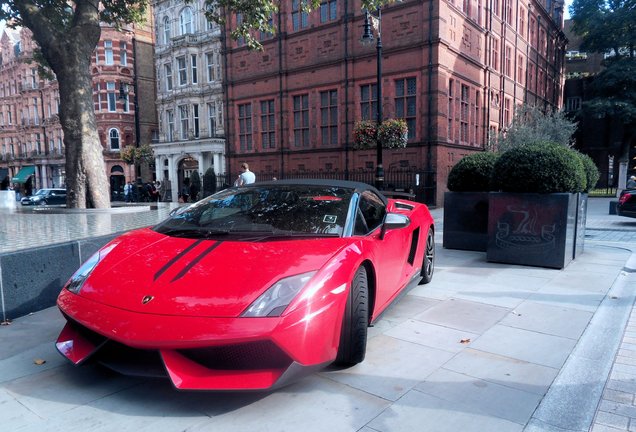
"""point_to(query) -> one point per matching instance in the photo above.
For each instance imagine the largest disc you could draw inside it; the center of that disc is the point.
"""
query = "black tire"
(428, 263)
(353, 337)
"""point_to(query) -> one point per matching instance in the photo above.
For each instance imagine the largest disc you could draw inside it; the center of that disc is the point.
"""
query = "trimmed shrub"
(591, 171)
(539, 168)
(472, 173)
(209, 182)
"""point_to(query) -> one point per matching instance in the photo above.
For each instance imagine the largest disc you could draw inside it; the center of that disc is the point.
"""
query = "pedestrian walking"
(246, 177)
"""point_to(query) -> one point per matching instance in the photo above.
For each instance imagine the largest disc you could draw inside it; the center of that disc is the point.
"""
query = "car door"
(390, 252)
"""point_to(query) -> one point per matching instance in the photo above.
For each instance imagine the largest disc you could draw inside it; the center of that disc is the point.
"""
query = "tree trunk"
(68, 51)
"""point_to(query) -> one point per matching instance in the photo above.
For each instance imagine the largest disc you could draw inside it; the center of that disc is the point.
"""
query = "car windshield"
(264, 212)
(41, 192)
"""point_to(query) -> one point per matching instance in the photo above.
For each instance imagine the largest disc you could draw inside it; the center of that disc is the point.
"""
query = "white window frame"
(112, 97)
(184, 121)
(113, 133)
(186, 21)
(108, 53)
(182, 70)
(193, 68)
(168, 70)
(211, 106)
(167, 34)
(123, 53)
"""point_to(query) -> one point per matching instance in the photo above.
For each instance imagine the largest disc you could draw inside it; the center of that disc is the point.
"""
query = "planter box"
(581, 220)
(532, 229)
(466, 221)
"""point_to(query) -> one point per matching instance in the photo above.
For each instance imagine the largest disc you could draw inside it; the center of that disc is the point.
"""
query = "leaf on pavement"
(464, 341)
(39, 362)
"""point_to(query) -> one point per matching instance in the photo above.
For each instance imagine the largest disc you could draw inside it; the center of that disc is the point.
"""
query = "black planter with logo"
(533, 229)
(466, 221)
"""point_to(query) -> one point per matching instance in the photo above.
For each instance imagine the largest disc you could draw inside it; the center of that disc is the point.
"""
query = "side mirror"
(394, 221)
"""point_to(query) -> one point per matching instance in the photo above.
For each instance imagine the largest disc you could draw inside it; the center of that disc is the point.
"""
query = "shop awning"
(23, 175)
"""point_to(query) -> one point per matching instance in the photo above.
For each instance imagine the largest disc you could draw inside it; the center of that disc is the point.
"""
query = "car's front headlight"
(76, 281)
(275, 300)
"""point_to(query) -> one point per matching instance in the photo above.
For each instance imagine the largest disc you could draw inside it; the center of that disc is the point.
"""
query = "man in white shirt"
(246, 177)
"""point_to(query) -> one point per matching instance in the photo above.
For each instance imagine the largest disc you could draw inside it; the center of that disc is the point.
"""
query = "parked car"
(627, 203)
(249, 287)
(45, 197)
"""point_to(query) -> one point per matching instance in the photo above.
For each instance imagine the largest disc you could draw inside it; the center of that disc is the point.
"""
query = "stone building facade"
(31, 138)
(190, 103)
(454, 70)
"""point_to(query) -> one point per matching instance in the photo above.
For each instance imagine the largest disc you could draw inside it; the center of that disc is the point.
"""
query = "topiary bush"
(591, 171)
(539, 168)
(472, 173)
(209, 182)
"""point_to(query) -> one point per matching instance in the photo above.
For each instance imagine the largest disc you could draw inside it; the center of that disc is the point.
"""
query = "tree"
(67, 34)
(613, 98)
(605, 25)
(531, 124)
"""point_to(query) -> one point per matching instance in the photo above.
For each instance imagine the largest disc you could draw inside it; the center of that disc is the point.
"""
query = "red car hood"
(152, 273)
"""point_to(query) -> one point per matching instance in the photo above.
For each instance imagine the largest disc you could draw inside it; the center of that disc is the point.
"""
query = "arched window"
(185, 21)
(166, 30)
(113, 139)
(117, 169)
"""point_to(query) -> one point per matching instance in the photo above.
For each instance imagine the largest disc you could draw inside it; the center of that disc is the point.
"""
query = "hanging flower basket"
(364, 133)
(393, 133)
(133, 155)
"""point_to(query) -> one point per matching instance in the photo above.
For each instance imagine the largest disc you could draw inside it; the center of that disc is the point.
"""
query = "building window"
(406, 102)
(530, 85)
(300, 19)
(193, 63)
(98, 106)
(113, 139)
(477, 117)
(520, 69)
(508, 59)
(495, 6)
(245, 126)
(168, 69)
(123, 54)
(329, 117)
(507, 117)
(166, 30)
(494, 59)
(531, 30)
(183, 73)
(466, 7)
(112, 97)
(184, 120)
(268, 135)
(464, 114)
(108, 52)
(211, 69)
(522, 21)
(126, 99)
(328, 10)
(573, 104)
(211, 119)
(368, 101)
(170, 123)
(509, 12)
(301, 120)
(185, 21)
(195, 119)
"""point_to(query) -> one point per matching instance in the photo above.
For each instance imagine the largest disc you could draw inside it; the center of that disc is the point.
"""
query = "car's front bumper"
(200, 353)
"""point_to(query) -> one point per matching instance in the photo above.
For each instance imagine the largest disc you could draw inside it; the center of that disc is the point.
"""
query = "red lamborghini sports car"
(250, 287)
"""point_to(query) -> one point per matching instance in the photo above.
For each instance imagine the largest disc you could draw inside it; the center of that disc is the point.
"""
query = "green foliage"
(591, 171)
(256, 15)
(472, 173)
(604, 25)
(209, 182)
(531, 124)
(539, 168)
(614, 93)
(134, 155)
(195, 185)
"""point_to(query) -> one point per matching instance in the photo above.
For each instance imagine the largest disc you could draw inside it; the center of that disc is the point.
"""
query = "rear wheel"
(428, 264)
(353, 337)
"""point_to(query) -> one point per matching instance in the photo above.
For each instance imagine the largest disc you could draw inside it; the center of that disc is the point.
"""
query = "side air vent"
(403, 206)
(414, 240)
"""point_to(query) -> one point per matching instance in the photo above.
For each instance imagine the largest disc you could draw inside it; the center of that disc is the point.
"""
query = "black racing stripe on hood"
(175, 259)
(195, 261)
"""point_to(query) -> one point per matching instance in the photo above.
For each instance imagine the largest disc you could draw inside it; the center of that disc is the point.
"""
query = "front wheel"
(353, 336)
(428, 264)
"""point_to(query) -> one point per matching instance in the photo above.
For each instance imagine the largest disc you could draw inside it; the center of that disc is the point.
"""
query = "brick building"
(454, 70)
(31, 137)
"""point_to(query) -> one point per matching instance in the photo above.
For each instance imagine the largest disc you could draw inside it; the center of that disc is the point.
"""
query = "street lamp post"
(367, 39)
